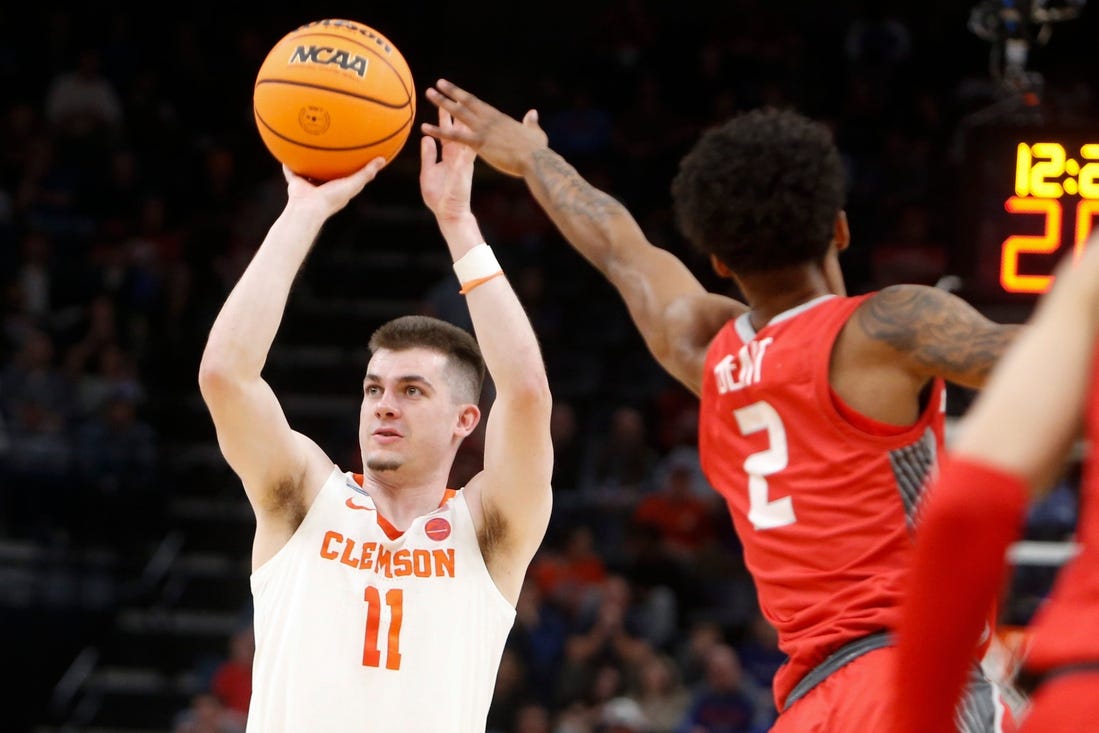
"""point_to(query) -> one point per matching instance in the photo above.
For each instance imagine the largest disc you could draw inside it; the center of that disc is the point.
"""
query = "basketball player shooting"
(821, 415)
(383, 600)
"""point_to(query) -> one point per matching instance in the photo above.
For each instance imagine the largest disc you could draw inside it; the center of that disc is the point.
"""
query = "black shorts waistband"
(843, 656)
(1040, 678)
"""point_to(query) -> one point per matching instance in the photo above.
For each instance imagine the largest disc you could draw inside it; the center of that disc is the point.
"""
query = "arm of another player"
(673, 312)
(512, 493)
(1033, 410)
(252, 430)
(1011, 446)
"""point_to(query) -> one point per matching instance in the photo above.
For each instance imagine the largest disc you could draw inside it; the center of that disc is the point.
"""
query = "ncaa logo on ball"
(437, 529)
(314, 120)
(328, 56)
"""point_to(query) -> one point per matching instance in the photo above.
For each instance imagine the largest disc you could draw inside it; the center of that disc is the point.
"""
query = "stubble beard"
(382, 465)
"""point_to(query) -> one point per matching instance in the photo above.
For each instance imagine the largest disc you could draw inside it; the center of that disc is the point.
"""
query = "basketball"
(331, 96)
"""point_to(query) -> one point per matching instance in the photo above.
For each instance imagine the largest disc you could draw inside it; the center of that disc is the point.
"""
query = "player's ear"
(841, 233)
(468, 419)
(720, 268)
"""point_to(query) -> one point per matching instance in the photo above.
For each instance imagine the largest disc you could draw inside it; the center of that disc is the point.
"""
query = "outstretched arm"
(676, 316)
(1011, 446)
(512, 494)
(272, 460)
(1033, 411)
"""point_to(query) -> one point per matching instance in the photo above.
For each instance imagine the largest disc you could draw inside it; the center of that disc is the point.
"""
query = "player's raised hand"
(446, 170)
(503, 142)
(331, 196)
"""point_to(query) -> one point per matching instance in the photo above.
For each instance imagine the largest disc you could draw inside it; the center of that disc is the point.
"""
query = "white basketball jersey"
(359, 629)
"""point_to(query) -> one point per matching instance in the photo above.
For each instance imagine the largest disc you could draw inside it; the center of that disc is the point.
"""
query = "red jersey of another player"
(1063, 630)
(823, 498)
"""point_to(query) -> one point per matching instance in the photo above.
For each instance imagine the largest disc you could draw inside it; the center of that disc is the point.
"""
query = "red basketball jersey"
(823, 498)
(1063, 631)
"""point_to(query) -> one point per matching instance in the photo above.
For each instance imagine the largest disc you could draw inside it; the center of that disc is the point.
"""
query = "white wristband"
(479, 262)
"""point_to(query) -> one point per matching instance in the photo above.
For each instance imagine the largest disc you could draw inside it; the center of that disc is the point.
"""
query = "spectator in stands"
(620, 461)
(231, 681)
(116, 456)
(607, 638)
(34, 375)
(82, 101)
(622, 715)
(568, 448)
(760, 658)
(721, 704)
(570, 576)
(533, 717)
(511, 693)
(663, 697)
(206, 714)
(538, 637)
(684, 519)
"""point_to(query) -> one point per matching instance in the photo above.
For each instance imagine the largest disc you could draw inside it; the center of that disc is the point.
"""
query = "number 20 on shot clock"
(1033, 198)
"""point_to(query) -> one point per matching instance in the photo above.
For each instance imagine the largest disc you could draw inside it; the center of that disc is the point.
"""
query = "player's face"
(408, 414)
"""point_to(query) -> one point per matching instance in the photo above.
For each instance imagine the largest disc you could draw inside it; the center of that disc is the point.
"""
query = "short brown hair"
(461, 349)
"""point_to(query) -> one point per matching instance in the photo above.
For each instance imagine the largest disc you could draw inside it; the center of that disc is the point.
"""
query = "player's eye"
(413, 391)
(373, 390)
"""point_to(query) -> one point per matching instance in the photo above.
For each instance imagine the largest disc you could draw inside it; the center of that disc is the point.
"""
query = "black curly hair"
(761, 191)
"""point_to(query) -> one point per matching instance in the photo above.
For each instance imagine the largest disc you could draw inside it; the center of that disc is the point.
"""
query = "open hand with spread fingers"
(503, 142)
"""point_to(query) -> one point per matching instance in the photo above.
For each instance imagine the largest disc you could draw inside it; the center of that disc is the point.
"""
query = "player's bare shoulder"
(934, 331)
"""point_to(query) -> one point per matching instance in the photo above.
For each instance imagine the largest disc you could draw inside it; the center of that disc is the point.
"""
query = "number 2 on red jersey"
(762, 512)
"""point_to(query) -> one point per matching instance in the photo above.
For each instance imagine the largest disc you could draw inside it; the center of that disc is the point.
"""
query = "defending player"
(821, 414)
(1011, 447)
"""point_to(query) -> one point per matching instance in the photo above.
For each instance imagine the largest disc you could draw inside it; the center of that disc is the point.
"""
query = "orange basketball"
(331, 96)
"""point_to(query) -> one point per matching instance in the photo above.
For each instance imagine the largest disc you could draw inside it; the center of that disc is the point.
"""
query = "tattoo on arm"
(569, 192)
(938, 330)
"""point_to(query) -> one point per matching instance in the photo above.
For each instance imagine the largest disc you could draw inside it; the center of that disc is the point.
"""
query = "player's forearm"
(245, 328)
(594, 222)
(461, 233)
(508, 343)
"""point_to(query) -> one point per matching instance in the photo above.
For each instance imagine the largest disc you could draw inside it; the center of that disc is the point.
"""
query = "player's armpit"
(935, 333)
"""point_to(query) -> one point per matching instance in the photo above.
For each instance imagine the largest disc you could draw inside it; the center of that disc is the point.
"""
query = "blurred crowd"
(133, 187)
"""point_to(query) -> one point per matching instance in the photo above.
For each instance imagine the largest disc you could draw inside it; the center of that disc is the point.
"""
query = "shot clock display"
(1030, 196)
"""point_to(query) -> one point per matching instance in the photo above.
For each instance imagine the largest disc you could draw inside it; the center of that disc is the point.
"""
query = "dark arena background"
(134, 188)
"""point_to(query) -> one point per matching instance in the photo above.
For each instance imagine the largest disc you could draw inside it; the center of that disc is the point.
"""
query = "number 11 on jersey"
(372, 653)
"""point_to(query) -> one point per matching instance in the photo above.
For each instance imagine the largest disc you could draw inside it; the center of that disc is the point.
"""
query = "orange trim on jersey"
(390, 531)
